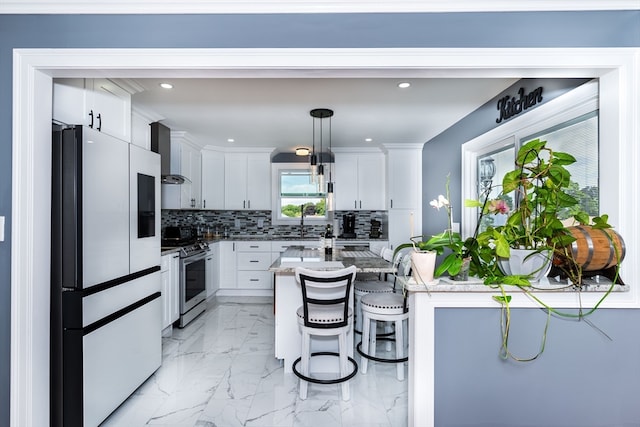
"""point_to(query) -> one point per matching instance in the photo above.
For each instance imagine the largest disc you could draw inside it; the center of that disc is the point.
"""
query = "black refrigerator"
(105, 273)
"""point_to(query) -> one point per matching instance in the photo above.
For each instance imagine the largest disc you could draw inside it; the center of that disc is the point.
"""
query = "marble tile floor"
(219, 371)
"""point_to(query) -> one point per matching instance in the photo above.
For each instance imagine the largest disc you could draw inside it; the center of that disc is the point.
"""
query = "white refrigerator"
(105, 273)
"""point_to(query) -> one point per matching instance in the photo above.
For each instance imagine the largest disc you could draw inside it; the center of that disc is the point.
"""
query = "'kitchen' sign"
(510, 106)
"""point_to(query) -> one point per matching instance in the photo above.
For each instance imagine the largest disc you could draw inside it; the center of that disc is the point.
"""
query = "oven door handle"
(194, 258)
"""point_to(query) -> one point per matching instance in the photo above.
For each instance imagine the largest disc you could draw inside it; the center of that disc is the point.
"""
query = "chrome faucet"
(302, 221)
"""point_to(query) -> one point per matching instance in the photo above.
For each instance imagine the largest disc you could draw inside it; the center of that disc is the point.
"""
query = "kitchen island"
(288, 296)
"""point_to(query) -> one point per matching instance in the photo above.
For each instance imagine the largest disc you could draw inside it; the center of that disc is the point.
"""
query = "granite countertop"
(476, 285)
(269, 237)
(364, 260)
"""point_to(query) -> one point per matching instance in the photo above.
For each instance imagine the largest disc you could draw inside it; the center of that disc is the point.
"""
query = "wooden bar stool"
(325, 312)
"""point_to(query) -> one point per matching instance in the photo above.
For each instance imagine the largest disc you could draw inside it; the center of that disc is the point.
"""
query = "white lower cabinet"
(170, 277)
(253, 262)
(227, 258)
(212, 269)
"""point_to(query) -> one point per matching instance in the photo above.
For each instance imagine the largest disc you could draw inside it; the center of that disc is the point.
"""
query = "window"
(491, 168)
(578, 137)
(297, 192)
(569, 124)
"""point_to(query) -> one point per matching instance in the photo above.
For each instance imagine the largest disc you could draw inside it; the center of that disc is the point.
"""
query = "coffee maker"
(349, 226)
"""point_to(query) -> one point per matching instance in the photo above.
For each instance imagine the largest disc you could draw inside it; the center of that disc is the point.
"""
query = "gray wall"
(441, 155)
(559, 29)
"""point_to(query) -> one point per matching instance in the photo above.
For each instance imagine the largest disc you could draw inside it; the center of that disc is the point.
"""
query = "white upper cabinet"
(140, 130)
(404, 178)
(212, 180)
(185, 160)
(97, 103)
(360, 181)
(247, 178)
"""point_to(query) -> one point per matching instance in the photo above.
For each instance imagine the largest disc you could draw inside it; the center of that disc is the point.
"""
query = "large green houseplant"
(540, 182)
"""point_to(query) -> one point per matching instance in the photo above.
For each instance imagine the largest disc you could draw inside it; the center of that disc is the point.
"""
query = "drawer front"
(253, 246)
(254, 260)
(254, 279)
(281, 246)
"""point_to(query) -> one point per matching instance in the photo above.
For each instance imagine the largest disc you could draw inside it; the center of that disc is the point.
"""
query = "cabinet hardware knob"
(99, 122)
(91, 122)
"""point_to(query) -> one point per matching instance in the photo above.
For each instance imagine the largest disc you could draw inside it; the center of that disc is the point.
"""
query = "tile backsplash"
(246, 222)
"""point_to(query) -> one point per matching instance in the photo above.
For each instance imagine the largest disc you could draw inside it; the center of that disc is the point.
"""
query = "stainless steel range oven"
(192, 271)
(192, 282)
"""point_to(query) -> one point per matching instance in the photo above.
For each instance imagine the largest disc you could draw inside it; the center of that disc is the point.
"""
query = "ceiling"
(274, 112)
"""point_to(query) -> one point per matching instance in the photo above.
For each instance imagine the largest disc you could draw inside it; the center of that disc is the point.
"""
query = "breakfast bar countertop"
(341, 257)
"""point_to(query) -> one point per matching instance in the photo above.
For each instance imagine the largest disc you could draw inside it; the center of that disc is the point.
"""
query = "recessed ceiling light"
(231, 140)
(166, 85)
(368, 139)
(404, 85)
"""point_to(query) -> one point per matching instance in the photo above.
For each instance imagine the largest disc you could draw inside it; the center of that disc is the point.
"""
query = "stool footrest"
(319, 381)
(379, 359)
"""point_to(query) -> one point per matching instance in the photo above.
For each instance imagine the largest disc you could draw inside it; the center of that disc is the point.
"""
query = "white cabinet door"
(190, 167)
(403, 224)
(174, 305)
(112, 108)
(97, 103)
(235, 181)
(212, 180)
(371, 182)
(404, 172)
(227, 265)
(346, 182)
(212, 269)
(360, 181)
(247, 181)
(259, 181)
(170, 288)
(185, 160)
(70, 102)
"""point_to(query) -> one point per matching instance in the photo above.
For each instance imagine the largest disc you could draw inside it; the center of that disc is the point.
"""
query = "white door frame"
(33, 70)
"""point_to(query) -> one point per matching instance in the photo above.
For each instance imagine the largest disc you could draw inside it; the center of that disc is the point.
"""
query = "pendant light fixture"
(317, 170)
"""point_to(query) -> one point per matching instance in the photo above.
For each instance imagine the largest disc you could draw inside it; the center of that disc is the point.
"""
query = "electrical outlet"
(237, 223)
(260, 223)
(455, 227)
(1, 229)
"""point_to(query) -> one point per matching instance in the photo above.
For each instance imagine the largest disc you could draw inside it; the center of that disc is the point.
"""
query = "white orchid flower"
(440, 202)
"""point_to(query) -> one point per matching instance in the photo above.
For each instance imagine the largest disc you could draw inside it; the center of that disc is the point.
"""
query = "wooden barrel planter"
(595, 248)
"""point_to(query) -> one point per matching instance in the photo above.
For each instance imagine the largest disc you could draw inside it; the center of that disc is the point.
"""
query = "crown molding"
(304, 6)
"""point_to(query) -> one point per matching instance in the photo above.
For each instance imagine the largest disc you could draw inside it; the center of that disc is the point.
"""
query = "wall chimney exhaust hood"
(161, 144)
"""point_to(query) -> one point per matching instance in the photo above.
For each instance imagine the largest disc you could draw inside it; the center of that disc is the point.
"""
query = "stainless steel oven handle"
(193, 258)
